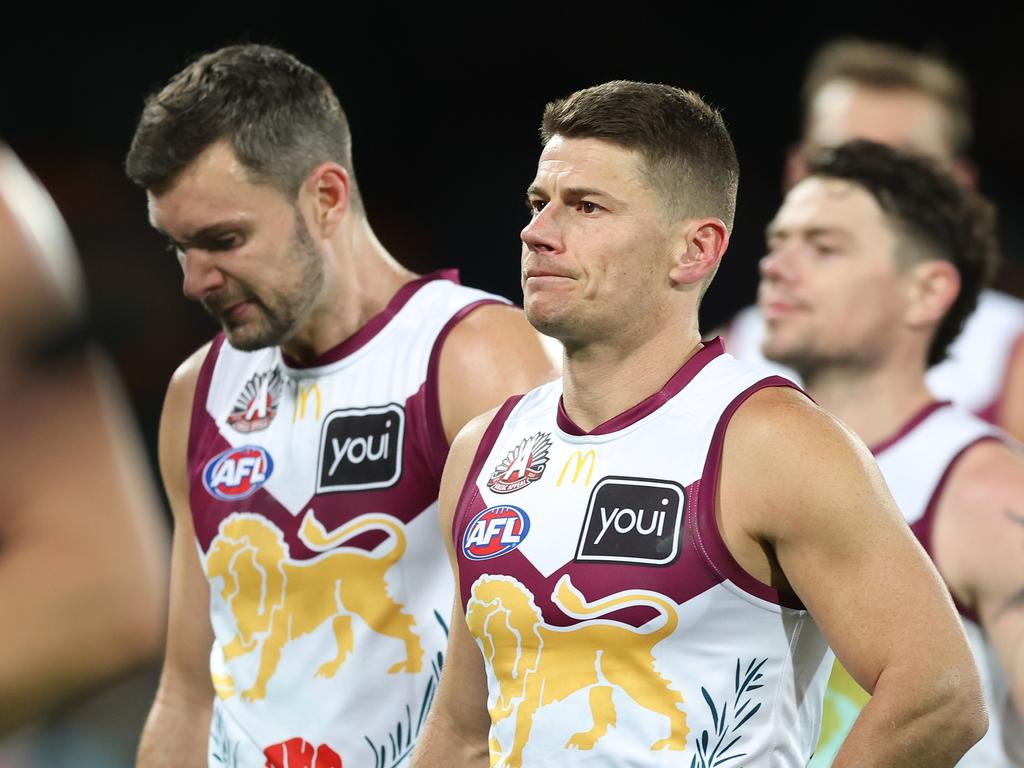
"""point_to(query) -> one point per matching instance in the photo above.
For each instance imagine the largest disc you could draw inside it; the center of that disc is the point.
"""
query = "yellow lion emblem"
(279, 600)
(537, 664)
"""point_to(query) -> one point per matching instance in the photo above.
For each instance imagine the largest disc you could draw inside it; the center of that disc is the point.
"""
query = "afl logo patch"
(523, 465)
(495, 531)
(237, 472)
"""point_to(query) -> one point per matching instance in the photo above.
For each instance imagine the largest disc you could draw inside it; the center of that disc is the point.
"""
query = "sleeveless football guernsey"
(615, 626)
(313, 492)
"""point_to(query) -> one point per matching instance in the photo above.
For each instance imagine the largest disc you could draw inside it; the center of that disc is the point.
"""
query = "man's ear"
(795, 169)
(701, 245)
(329, 190)
(932, 287)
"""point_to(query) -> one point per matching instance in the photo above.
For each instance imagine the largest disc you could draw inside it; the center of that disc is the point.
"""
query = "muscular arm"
(820, 522)
(978, 542)
(1011, 410)
(178, 726)
(491, 354)
(81, 541)
(457, 728)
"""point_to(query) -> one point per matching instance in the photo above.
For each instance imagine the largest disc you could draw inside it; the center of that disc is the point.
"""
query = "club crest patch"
(523, 465)
(257, 405)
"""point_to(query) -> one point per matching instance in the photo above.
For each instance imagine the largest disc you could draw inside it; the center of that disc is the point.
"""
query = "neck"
(874, 402)
(605, 378)
(360, 278)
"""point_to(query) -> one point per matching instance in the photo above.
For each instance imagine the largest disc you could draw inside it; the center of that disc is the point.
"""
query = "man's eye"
(585, 206)
(535, 206)
(224, 243)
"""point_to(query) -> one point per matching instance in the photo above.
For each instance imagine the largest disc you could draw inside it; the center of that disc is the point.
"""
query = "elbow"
(974, 726)
(966, 720)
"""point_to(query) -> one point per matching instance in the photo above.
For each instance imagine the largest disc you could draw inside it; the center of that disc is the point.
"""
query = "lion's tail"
(315, 536)
(572, 602)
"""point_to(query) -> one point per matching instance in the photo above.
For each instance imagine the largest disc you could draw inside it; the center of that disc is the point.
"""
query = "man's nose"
(202, 276)
(544, 231)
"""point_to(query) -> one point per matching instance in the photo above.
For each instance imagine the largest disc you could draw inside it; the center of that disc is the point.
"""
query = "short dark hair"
(280, 116)
(892, 68)
(933, 215)
(688, 155)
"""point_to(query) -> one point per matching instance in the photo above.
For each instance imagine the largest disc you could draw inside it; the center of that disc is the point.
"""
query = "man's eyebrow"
(210, 232)
(773, 230)
(572, 193)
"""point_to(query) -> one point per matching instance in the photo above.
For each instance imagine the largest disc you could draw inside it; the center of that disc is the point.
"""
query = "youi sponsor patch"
(633, 520)
(237, 472)
(360, 449)
(495, 531)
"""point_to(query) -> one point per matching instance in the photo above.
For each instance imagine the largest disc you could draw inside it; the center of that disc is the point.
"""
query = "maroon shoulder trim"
(910, 426)
(375, 324)
(924, 526)
(437, 442)
(469, 488)
(202, 392)
(712, 547)
(708, 352)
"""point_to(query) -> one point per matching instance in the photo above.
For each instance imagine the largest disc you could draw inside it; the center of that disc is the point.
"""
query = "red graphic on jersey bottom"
(299, 753)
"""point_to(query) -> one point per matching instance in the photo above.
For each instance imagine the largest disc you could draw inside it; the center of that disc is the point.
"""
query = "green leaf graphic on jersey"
(713, 748)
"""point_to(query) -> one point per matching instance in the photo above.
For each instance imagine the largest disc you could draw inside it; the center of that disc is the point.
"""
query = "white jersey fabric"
(313, 493)
(615, 625)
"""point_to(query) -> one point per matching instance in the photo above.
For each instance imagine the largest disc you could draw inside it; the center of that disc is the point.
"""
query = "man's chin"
(247, 339)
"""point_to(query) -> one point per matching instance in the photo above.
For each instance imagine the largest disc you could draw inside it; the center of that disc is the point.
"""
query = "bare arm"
(835, 538)
(491, 354)
(1011, 410)
(978, 541)
(178, 727)
(458, 725)
(81, 542)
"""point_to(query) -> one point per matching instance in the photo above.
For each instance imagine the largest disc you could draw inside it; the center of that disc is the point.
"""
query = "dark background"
(444, 108)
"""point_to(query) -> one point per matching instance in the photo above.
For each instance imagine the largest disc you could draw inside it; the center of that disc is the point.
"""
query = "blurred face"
(246, 253)
(597, 250)
(905, 119)
(830, 291)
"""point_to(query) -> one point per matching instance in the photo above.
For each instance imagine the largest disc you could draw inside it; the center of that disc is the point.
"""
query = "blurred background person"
(874, 260)
(82, 545)
(855, 89)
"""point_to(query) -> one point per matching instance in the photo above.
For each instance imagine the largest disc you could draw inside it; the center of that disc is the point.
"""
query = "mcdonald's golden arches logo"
(578, 460)
(302, 396)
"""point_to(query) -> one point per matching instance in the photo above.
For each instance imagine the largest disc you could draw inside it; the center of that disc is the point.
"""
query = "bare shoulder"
(500, 334)
(786, 460)
(182, 386)
(979, 522)
(176, 419)
(489, 355)
(457, 467)
(988, 472)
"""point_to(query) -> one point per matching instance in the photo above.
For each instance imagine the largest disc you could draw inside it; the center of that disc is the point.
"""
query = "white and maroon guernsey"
(916, 463)
(973, 375)
(615, 625)
(314, 497)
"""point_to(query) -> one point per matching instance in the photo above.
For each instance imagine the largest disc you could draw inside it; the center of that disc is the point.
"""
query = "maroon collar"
(375, 324)
(909, 426)
(708, 352)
